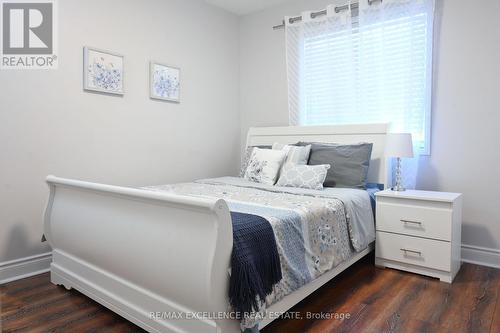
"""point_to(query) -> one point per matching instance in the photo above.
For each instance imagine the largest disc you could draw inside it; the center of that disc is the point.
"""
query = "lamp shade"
(399, 145)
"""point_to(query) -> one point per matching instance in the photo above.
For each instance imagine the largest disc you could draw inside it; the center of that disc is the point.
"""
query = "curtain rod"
(354, 5)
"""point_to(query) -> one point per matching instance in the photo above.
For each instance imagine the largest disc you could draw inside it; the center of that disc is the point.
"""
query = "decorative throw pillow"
(246, 158)
(264, 165)
(295, 154)
(349, 162)
(303, 176)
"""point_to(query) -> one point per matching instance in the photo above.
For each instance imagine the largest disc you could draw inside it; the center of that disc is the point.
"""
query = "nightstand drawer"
(414, 220)
(413, 250)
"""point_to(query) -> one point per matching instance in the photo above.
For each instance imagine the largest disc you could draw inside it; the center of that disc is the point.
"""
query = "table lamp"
(399, 145)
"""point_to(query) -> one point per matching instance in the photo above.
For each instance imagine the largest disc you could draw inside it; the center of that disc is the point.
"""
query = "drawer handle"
(412, 222)
(411, 251)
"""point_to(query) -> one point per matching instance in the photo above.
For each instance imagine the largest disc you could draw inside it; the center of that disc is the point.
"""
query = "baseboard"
(24, 267)
(483, 256)
(40, 263)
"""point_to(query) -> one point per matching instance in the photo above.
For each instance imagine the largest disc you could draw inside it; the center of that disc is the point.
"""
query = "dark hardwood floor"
(376, 300)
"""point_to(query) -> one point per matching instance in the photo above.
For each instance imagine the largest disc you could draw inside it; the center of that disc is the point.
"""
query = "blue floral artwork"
(103, 71)
(165, 82)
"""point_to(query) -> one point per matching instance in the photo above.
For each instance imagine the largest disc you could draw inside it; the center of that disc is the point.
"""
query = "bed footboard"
(156, 259)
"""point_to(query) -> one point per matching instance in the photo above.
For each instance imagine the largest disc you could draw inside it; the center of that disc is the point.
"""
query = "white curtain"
(310, 47)
(396, 54)
(373, 64)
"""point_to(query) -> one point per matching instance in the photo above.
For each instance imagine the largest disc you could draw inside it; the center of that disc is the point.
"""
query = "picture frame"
(164, 82)
(103, 71)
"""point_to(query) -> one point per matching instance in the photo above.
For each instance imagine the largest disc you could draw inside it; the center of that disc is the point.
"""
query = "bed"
(126, 247)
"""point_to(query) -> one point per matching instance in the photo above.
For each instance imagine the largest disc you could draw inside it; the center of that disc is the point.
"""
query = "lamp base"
(398, 189)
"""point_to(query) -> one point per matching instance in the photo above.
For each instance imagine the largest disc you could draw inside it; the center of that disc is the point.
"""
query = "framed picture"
(164, 82)
(102, 71)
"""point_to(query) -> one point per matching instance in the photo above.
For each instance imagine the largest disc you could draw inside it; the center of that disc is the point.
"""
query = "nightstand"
(419, 232)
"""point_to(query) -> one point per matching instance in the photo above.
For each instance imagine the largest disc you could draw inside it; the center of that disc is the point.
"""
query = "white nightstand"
(419, 232)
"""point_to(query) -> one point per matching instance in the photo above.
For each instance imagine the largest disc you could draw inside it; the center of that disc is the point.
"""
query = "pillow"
(246, 158)
(349, 163)
(303, 176)
(264, 165)
(295, 154)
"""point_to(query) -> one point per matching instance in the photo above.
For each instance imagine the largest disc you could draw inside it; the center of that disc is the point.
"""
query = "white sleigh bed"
(126, 247)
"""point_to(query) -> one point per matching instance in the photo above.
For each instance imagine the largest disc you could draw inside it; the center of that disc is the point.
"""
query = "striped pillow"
(294, 154)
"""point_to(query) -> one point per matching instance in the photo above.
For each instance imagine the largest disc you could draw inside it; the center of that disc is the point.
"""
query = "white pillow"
(295, 154)
(264, 165)
(303, 176)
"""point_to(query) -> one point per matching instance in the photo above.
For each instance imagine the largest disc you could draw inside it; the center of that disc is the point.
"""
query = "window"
(372, 67)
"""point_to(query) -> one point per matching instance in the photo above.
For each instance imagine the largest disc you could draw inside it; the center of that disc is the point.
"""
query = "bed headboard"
(373, 133)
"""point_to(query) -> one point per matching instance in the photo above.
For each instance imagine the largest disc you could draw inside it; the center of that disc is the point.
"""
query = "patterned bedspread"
(314, 230)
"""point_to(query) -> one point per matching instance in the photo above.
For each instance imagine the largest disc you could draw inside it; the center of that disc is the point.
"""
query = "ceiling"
(243, 7)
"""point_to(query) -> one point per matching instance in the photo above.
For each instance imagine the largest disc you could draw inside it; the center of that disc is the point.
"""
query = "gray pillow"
(246, 157)
(349, 163)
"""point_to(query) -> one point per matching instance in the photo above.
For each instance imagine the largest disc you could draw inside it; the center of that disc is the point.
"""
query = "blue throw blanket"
(255, 263)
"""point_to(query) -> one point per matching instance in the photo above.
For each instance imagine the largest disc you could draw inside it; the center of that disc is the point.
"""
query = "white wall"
(466, 111)
(49, 125)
